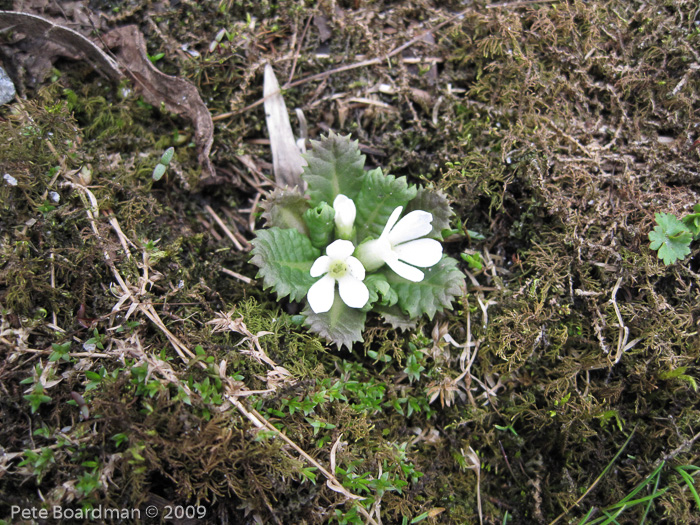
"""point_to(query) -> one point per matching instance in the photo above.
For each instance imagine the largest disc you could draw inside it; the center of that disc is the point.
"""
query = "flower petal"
(321, 294)
(404, 270)
(414, 225)
(421, 252)
(320, 266)
(340, 249)
(353, 292)
(392, 220)
(356, 268)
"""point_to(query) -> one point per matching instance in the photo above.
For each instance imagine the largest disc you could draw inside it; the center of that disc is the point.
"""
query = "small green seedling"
(155, 58)
(473, 260)
(162, 165)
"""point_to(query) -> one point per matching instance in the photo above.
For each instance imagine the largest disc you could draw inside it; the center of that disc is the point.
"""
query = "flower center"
(338, 269)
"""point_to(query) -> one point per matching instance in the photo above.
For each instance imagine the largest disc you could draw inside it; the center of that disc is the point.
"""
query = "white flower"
(345, 213)
(338, 265)
(400, 243)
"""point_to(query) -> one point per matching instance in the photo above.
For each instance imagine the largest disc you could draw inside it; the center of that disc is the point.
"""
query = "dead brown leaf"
(286, 157)
(39, 42)
(176, 94)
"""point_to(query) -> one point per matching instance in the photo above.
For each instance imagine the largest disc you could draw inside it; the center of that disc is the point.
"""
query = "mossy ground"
(557, 129)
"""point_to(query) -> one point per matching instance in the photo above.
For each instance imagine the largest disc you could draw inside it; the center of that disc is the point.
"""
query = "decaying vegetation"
(142, 364)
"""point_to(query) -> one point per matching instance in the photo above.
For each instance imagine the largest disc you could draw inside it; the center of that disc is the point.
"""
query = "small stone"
(10, 179)
(7, 88)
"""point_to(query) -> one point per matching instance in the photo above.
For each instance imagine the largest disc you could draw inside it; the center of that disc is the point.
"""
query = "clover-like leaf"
(284, 258)
(341, 324)
(285, 209)
(435, 202)
(335, 166)
(379, 196)
(670, 237)
(441, 284)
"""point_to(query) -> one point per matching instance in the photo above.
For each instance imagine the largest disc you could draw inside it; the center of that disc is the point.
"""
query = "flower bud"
(344, 217)
(320, 223)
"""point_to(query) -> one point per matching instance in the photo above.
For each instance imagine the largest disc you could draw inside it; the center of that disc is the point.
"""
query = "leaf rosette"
(397, 269)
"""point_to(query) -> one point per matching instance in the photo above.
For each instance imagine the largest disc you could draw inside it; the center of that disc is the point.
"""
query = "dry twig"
(223, 226)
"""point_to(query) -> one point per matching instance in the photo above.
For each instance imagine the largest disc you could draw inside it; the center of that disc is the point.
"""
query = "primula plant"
(356, 242)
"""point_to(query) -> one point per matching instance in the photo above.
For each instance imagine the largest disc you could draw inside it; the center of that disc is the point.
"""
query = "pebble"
(7, 88)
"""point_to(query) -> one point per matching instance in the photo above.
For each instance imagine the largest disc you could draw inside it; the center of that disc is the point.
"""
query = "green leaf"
(284, 258)
(441, 284)
(692, 221)
(335, 166)
(435, 202)
(159, 171)
(670, 237)
(395, 317)
(379, 196)
(473, 260)
(285, 209)
(689, 480)
(679, 373)
(420, 518)
(475, 236)
(167, 156)
(320, 221)
(341, 324)
(379, 286)
(413, 368)
(309, 473)
(155, 58)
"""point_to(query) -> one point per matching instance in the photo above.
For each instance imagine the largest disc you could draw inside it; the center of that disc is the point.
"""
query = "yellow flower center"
(338, 269)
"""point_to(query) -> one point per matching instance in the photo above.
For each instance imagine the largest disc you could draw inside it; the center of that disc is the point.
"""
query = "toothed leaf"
(379, 196)
(341, 324)
(284, 258)
(285, 209)
(441, 284)
(435, 202)
(396, 318)
(335, 166)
